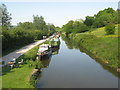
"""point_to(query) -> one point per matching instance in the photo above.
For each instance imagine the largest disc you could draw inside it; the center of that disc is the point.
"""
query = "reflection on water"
(71, 68)
(46, 60)
(55, 51)
(72, 45)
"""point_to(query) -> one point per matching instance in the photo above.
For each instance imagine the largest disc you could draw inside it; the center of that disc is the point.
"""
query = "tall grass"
(104, 48)
(100, 32)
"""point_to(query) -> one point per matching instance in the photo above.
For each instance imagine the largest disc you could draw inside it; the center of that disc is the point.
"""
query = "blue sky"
(57, 13)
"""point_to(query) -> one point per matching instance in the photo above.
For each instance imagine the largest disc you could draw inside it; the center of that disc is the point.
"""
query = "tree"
(103, 20)
(25, 25)
(51, 27)
(5, 17)
(39, 23)
(74, 27)
(103, 17)
(68, 28)
(116, 18)
(79, 27)
(105, 11)
(89, 21)
(110, 29)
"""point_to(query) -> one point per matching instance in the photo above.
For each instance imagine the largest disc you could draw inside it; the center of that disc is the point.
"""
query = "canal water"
(72, 68)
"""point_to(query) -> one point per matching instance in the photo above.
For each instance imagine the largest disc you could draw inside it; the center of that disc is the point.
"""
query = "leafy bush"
(15, 38)
(74, 27)
(31, 54)
(32, 80)
(110, 29)
(25, 33)
(38, 64)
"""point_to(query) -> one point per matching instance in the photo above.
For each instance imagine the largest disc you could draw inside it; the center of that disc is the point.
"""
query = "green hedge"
(16, 38)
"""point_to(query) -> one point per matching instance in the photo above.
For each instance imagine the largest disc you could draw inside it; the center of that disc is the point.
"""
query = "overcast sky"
(57, 13)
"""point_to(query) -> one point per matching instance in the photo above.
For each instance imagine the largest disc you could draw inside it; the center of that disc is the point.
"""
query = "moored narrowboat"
(55, 43)
(44, 50)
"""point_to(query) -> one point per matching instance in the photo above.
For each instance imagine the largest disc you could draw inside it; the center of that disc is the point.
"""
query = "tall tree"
(25, 25)
(39, 22)
(103, 17)
(79, 27)
(68, 28)
(5, 17)
(51, 27)
(89, 21)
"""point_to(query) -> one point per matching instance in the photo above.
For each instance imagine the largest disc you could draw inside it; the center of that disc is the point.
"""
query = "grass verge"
(104, 48)
(20, 77)
(17, 78)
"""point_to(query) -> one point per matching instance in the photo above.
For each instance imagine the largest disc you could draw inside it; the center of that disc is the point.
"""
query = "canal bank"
(22, 72)
(72, 68)
(103, 48)
(21, 51)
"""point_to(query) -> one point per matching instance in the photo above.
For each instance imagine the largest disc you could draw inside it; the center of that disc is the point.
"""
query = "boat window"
(43, 46)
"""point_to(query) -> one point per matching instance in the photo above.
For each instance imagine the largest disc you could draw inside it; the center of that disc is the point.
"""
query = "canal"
(73, 68)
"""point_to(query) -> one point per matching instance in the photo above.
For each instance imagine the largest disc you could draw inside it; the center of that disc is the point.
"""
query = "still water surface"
(71, 68)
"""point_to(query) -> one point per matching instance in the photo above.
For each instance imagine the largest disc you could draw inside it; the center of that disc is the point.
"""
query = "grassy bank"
(17, 78)
(20, 77)
(100, 32)
(105, 48)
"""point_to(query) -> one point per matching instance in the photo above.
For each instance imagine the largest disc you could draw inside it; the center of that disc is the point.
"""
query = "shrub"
(38, 64)
(32, 80)
(110, 29)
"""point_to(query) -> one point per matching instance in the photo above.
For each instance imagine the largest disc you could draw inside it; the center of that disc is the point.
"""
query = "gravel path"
(19, 52)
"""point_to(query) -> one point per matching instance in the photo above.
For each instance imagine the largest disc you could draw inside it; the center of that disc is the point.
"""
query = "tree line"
(24, 33)
(107, 17)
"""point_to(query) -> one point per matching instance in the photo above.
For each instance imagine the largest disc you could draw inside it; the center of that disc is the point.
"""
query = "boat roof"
(55, 39)
(45, 45)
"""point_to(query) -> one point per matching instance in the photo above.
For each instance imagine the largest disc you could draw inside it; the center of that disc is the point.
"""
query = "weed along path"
(21, 51)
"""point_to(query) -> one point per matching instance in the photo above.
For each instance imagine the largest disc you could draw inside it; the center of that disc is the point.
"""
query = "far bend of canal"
(73, 68)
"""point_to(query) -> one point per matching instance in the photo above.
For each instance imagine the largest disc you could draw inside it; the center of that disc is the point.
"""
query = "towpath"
(19, 52)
